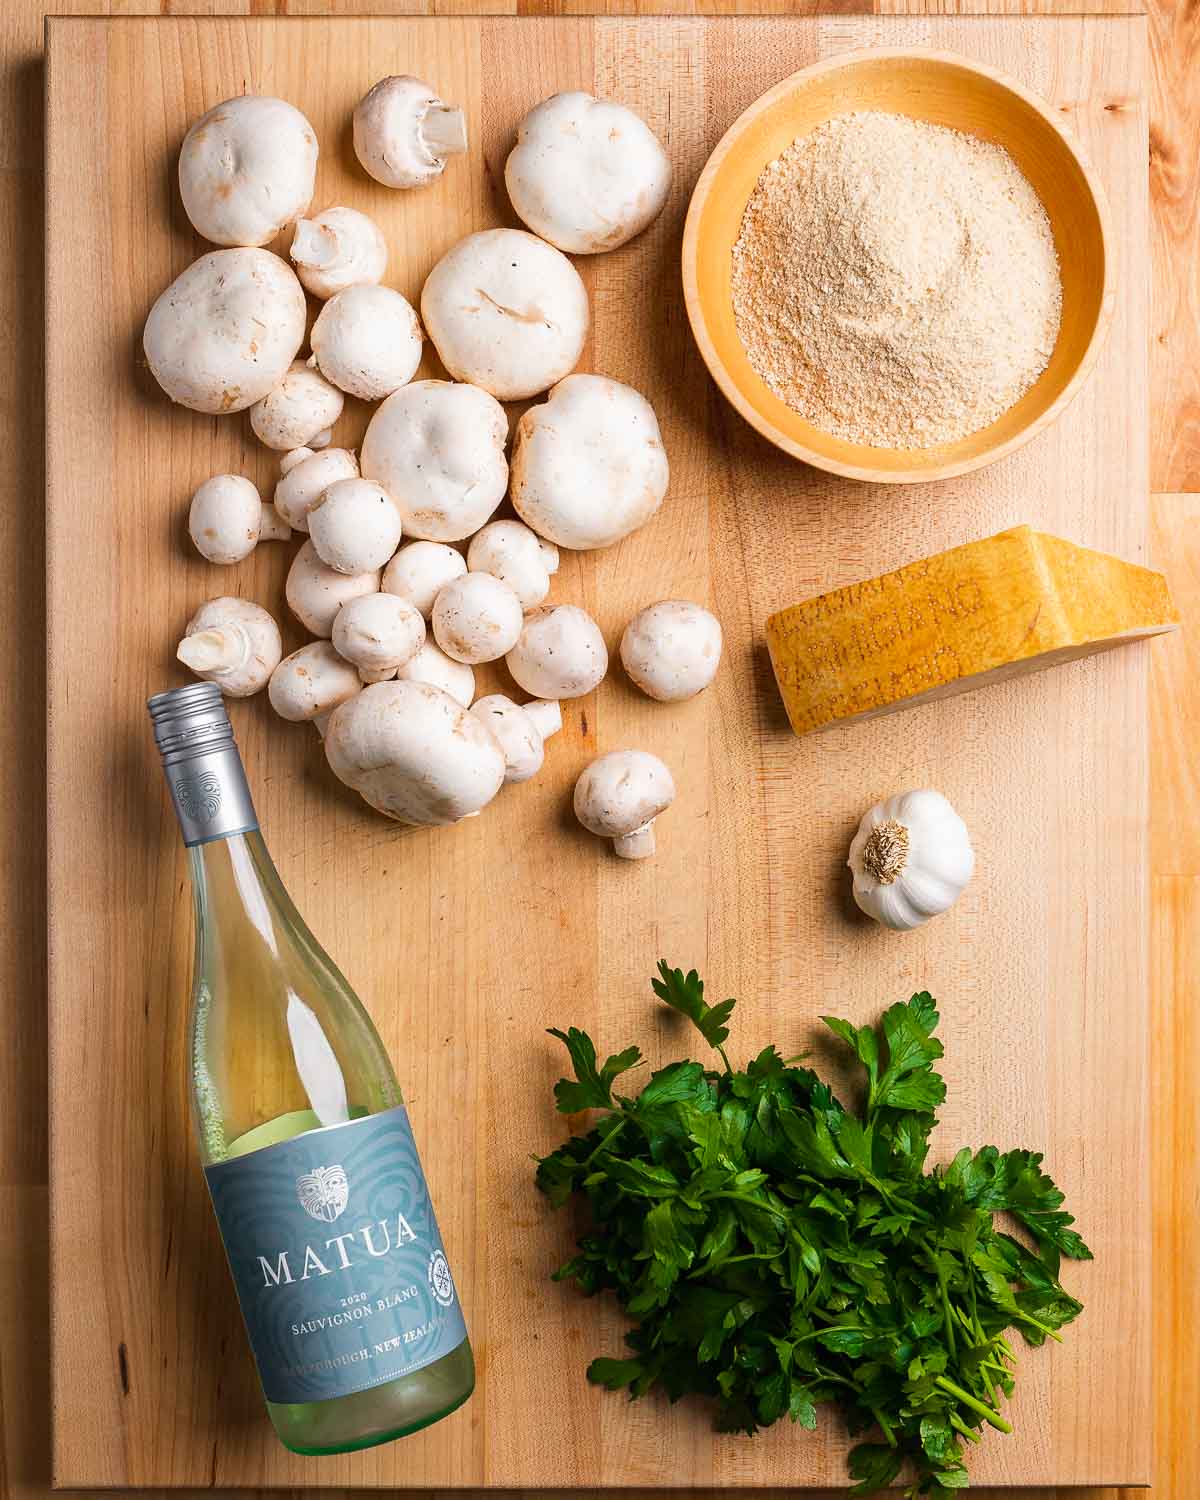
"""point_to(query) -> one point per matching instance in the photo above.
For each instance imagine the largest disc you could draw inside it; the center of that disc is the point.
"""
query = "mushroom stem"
(636, 845)
(444, 130)
(273, 528)
(546, 715)
(322, 439)
(215, 650)
(314, 244)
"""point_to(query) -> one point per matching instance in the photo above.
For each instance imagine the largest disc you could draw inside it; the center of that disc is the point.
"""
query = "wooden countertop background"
(1175, 482)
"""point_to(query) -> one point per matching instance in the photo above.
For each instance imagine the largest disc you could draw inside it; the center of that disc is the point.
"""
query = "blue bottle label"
(335, 1252)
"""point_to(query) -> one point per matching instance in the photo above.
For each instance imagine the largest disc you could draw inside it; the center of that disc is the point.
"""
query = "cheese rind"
(1016, 602)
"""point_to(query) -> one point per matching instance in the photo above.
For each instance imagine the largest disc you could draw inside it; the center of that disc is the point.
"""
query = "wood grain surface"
(467, 943)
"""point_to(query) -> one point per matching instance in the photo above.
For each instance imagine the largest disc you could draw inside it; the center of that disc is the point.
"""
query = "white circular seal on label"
(440, 1280)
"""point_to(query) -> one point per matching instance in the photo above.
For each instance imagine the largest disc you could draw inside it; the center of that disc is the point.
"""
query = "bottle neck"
(210, 795)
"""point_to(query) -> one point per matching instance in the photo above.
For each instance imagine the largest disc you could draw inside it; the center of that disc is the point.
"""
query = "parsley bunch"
(779, 1250)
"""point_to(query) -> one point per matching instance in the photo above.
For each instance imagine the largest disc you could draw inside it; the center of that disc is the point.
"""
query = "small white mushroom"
(672, 649)
(619, 796)
(300, 410)
(438, 450)
(311, 681)
(304, 478)
(512, 553)
(477, 618)
(403, 133)
(367, 340)
(378, 633)
(432, 665)
(247, 169)
(520, 732)
(224, 333)
(414, 754)
(233, 643)
(588, 465)
(337, 248)
(420, 571)
(315, 592)
(506, 311)
(560, 653)
(586, 174)
(354, 526)
(225, 518)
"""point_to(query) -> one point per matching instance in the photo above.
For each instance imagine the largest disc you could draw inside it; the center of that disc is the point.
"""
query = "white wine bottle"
(343, 1280)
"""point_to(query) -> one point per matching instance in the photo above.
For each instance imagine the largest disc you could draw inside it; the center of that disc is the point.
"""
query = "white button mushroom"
(224, 333)
(403, 133)
(304, 478)
(588, 465)
(247, 169)
(337, 248)
(619, 796)
(311, 681)
(438, 450)
(420, 571)
(315, 592)
(672, 649)
(477, 618)
(378, 633)
(520, 732)
(506, 311)
(300, 410)
(367, 340)
(512, 553)
(560, 654)
(227, 519)
(432, 665)
(354, 526)
(585, 174)
(233, 643)
(414, 754)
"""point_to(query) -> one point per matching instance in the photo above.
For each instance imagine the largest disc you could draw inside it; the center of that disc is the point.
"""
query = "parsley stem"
(960, 1426)
(946, 1314)
(986, 1412)
(884, 1426)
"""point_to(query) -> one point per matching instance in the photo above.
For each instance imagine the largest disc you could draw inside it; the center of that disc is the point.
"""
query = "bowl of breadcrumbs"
(897, 266)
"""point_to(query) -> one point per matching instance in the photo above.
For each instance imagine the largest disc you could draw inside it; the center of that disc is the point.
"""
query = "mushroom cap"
(378, 632)
(586, 174)
(354, 526)
(336, 249)
(622, 792)
(224, 333)
(247, 170)
(367, 340)
(305, 478)
(389, 140)
(516, 733)
(315, 592)
(588, 465)
(477, 618)
(414, 754)
(432, 665)
(311, 681)
(672, 649)
(233, 643)
(560, 653)
(506, 311)
(438, 450)
(420, 571)
(225, 518)
(300, 408)
(514, 554)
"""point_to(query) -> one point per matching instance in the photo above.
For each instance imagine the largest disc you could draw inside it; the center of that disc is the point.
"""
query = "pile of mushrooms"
(405, 575)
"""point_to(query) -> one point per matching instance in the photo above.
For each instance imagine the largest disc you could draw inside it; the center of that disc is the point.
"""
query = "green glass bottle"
(343, 1280)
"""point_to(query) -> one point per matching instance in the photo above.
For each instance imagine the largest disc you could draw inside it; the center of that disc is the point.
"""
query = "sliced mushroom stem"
(444, 130)
(314, 244)
(636, 845)
(546, 715)
(273, 528)
(215, 650)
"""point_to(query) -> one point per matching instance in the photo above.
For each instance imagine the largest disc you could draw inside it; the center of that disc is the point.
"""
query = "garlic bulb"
(911, 859)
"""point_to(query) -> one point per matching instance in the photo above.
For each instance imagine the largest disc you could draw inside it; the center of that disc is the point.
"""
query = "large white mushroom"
(672, 649)
(560, 653)
(586, 174)
(338, 248)
(224, 333)
(438, 450)
(316, 592)
(311, 681)
(520, 732)
(233, 643)
(420, 571)
(515, 555)
(367, 340)
(431, 664)
(403, 133)
(506, 311)
(414, 754)
(304, 476)
(247, 169)
(354, 526)
(477, 618)
(378, 633)
(619, 796)
(588, 465)
(299, 411)
(227, 519)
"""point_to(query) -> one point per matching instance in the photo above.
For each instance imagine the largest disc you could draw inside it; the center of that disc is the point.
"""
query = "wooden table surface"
(1175, 482)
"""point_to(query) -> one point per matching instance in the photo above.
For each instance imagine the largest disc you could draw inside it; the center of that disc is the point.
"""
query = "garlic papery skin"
(911, 859)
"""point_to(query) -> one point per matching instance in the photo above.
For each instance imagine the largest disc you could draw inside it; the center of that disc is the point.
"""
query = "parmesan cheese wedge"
(1016, 602)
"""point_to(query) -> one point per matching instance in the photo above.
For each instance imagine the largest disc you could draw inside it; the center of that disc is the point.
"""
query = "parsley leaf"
(594, 1088)
(685, 993)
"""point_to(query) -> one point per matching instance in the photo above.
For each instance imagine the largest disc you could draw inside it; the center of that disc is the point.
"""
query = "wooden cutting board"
(467, 943)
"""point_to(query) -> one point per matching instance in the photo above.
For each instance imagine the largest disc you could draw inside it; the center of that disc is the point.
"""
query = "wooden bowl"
(945, 90)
